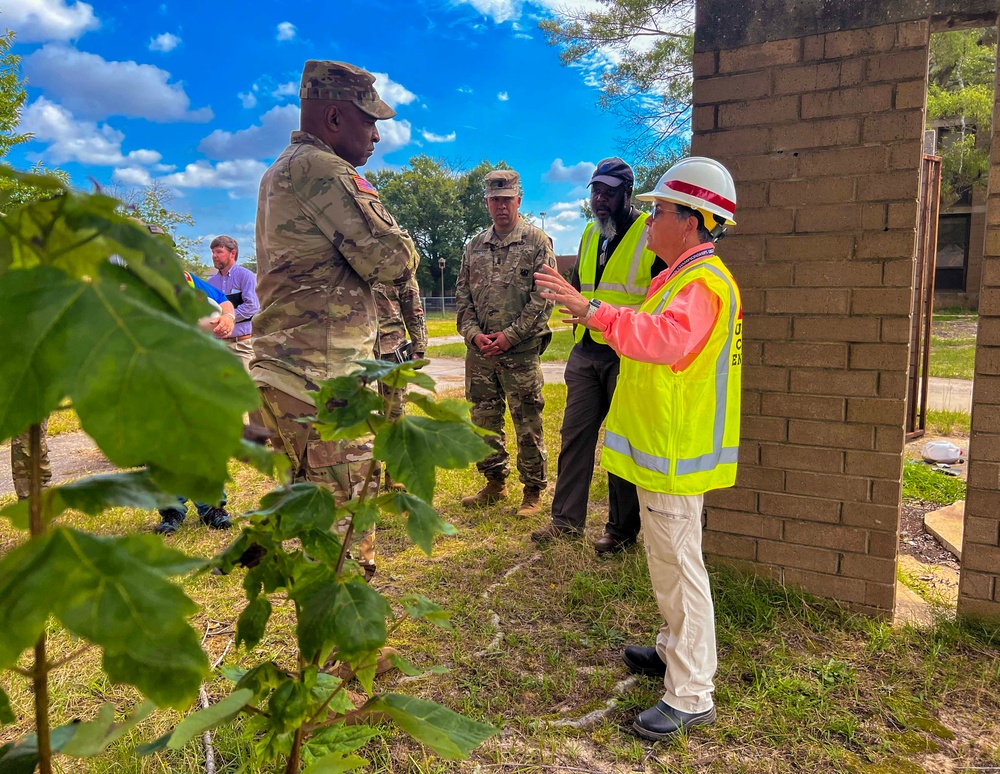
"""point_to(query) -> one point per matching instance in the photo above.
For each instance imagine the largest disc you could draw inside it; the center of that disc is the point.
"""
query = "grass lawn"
(558, 350)
(802, 685)
(953, 344)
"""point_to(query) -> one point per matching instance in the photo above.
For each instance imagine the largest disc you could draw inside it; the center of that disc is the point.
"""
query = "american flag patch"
(364, 185)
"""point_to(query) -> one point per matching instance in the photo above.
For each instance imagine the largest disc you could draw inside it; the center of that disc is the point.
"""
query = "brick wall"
(823, 136)
(979, 588)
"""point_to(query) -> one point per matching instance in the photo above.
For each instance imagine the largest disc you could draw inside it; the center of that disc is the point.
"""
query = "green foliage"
(442, 207)
(12, 95)
(647, 85)
(923, 482)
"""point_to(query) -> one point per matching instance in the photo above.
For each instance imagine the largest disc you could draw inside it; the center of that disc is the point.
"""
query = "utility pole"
(543, 220)
(441, 267)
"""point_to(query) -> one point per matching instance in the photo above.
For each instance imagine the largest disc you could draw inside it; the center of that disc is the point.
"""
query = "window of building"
(952, 252)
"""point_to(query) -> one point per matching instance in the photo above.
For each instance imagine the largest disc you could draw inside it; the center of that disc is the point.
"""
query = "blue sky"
(202, 95)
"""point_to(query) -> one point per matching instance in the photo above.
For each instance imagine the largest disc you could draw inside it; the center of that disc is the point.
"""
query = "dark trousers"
(179, 511)
(590, 383)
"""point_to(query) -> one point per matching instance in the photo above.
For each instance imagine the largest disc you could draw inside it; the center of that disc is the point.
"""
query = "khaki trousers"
(243, 350)
(671, 526)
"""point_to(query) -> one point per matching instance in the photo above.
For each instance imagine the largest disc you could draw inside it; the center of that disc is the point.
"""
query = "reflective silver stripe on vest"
(720, 455)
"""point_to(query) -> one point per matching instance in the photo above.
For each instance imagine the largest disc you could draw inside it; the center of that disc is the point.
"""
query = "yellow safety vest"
(625, 280)
(678, 432)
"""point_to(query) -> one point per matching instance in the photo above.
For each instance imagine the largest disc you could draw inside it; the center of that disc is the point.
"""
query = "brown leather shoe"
(531, 503)
(608, 544)
(494, 491)
(551, 532)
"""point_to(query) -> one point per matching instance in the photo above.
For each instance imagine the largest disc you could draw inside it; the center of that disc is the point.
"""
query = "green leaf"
(323, 545)
(447, 410)
(419, 606)
(326, 686)
(262, 679)
(364, 514)
(346, 408)
(413, 447)
(335, 763)
(6, 711)
(393, 374)
(252, 622)
(423, 522)
(344, 613)
(18, 758)
(339, 738)
(447, 733)
(296, 508)
(289, 706)
(197, 723)
(94, 737)
(155, 746)
(268, 462)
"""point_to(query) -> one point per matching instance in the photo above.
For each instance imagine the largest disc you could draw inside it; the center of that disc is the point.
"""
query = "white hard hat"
(699, 183)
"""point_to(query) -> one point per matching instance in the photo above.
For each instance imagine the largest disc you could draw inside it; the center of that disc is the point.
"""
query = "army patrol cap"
(323, 79)
(502, 182)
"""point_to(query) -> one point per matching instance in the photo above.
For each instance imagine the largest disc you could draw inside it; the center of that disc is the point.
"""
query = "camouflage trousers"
(394, 398)
(20, 462)
(340, 466)
(514, 380)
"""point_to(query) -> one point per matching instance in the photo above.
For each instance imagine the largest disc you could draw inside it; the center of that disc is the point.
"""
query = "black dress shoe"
(664, 722)
(644, 661)
(609, 544)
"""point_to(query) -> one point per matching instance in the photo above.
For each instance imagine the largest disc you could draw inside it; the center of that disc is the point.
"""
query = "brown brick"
(852, 72)
(886, 244)
(884, 544)
(806, 301)
(875, 411)
(881, 595)
(886, 492)
(902, 215)
(816, 134)
(987, 417)
(984, 475)
(880, 518)
(889, 186)
(760, 56)
(906, 154)
(704, 64)
(830, 586)
(732, 88)
(768, 328)
(753, 302)
(834, 434)
(880, 301)
(832, 247)
(703, 118)
(867, 40)
(800, 508)
(845, 488)
(870, 568)
(879, 357)
(910, 95)
(873, 217)
(888, 439)
(988, 331)
(757, 377)
(843, 102)
(743, 249)
(770, 166)
(838, 274)
(717, 544)
(987, 360)
(984, 531)
(846, 383)
(829, 217)
(978, 585)
(986, 390)
(893, 126)
(765, 275)
(892, 384)
(895, 330)
(766, 112)
(991, 247)
(735, 499)
(826, 536)
(979, 502)
(989, 302)
(780, 404)
(732, 142)
(991, 266)
(787, 457)
(806, 78)
(811, 192)
(803, 557)
(978, 609)
(835, 328)
(874, 464)
(914, 34)
(897, 66)
(740, 523)
(760, 479)
(812, 47)
(809, 354)
(765, 428)
(844, 161)
(977, 557)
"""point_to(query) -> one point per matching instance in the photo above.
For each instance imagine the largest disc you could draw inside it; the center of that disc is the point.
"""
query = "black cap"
(613, 172)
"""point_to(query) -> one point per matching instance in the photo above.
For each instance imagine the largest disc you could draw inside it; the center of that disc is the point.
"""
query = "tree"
(12, 95)
(643, 50)
(441, 207)
(960, 100)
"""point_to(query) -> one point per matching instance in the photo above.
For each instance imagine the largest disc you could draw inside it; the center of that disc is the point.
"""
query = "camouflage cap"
(502, 182)
(322, 79)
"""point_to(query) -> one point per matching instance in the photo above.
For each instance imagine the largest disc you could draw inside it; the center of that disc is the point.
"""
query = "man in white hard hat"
(674, 425)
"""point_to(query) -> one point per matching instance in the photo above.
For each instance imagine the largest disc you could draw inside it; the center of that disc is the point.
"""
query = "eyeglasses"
(659, 212)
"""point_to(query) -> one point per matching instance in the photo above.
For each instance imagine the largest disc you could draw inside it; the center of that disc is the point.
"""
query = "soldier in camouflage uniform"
(399, 313)
(323, 238)
(504, 321)
(20, 462)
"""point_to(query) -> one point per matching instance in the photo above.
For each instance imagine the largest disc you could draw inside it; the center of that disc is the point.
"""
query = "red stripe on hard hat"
(701, 193)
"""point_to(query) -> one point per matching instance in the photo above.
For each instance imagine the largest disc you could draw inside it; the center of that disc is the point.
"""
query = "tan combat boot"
(531, 503)
(493, 492)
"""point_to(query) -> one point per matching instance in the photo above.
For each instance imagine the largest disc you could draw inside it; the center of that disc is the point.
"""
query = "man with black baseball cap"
(613, 265)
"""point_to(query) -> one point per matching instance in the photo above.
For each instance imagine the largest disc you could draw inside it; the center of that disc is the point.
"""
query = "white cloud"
(265, 140)
(286, 31)
(39, 20)
(394, 133)
(503, 96)
(95, 88)
(524, 36)
(164, 42)
(511, 10)
(289, 89)
(394, 93)
(241, 176)
(577, 173)
(564, 206)
(134, 176)
(248, 99)
(464, 90)
(567, 215)
(70, 139)
(431, 137)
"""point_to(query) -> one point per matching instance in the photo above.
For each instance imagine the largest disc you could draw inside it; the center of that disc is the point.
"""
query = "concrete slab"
(947, 525)
(911, 608)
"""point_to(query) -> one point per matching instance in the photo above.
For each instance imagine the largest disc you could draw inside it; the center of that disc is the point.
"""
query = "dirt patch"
(72, 456)
(961, 328)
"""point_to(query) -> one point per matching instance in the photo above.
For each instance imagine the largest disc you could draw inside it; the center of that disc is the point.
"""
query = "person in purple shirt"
(239, 285)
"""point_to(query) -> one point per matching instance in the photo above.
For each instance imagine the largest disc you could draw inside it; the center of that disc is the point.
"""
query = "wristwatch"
(594, 304)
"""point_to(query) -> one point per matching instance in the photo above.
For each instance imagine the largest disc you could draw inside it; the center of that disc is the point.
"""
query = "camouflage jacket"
(399, 313)
(323, 237)
(496, 286)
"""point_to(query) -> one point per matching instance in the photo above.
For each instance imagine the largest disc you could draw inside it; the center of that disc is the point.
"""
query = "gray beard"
(607, 226)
